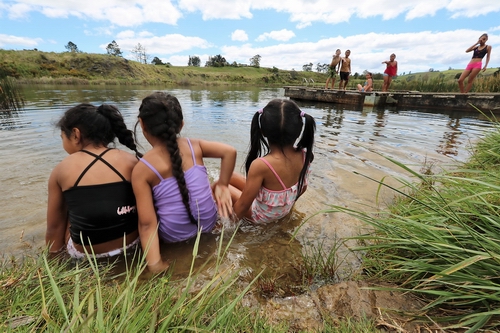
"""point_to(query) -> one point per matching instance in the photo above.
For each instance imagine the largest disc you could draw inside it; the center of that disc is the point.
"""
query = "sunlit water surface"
(348, 140)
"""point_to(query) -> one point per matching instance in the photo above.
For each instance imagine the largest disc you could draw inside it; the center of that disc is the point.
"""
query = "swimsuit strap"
(151, 167)
(274, 171)
(156, 171)
(97, 158)
(192, 151)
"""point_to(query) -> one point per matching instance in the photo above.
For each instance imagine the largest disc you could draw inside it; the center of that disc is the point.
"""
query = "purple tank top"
(174, 223)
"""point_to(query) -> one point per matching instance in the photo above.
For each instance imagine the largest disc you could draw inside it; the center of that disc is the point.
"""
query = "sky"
(287, 34)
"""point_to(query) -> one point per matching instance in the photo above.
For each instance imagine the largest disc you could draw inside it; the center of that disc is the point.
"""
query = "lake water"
(348, 140)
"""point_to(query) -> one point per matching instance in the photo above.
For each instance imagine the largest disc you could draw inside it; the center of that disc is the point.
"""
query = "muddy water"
(349, 144)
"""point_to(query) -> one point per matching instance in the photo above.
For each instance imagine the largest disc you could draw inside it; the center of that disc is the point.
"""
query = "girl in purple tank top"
(171, 185)
(277, 165)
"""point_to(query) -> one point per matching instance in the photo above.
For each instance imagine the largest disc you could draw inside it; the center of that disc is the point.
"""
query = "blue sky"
(287, 34)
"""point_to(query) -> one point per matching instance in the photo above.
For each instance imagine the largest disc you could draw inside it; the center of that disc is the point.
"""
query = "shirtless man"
(333, 69)
(345, 70)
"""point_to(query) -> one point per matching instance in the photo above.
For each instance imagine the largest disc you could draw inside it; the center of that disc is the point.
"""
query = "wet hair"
(369, 73)
(484, 35)
(280, 123)
(393, 55)
(161, 116)
(97, 125)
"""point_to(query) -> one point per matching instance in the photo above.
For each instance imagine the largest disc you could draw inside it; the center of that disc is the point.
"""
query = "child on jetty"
(90, 190)
(333, 69)
(368, 85)
(476, 63)
(174, 197)
(391, 71)
(284, 136)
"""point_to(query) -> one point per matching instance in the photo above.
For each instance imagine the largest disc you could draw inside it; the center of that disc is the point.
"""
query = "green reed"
(441, 239)
(11, 98)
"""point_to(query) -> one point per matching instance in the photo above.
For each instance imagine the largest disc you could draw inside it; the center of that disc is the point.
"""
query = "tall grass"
(11, 98)
(45, 296)
(441, 240)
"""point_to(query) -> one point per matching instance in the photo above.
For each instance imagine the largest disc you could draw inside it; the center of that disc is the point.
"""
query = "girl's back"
(287, 166)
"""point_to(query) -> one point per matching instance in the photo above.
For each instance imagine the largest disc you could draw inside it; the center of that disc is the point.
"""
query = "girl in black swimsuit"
(474, 67)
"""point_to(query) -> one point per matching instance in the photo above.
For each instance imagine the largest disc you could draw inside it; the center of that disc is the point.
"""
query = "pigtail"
(257, 140)
(306, 143)
(124, 135)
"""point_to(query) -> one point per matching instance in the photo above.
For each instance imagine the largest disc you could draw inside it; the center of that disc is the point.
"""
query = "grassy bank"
(441, 240)
(34, 67)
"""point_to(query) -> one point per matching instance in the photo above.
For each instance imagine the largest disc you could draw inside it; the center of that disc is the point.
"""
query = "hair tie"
(302, 116)
(260, 114)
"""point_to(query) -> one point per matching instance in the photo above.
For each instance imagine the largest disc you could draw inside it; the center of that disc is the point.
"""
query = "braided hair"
(98, 125)
(161, 115)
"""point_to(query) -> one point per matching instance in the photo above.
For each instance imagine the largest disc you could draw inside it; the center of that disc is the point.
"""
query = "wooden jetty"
(486, 102)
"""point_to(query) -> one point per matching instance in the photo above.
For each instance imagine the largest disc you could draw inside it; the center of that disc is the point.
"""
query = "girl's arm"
(487, 57)
(254, 181)
(472, 47)
(148, 222)
(57, 215)
(227, 154)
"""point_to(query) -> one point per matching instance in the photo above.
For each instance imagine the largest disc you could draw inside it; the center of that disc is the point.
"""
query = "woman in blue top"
(174, 197)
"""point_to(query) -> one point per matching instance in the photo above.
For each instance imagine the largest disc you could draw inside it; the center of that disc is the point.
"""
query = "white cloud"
(158, 45)
(302, 12)
(239, 35)
(414, 51)
(21, 41)
(120, 13)
(281, 35)
(219, 9)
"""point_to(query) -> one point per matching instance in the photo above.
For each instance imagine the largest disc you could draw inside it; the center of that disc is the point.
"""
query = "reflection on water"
(348, 139)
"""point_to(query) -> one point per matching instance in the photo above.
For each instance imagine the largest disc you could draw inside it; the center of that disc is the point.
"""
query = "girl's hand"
(224, 202)
(159, 267)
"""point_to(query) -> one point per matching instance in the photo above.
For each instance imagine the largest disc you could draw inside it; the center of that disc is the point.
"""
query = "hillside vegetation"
(30, 66)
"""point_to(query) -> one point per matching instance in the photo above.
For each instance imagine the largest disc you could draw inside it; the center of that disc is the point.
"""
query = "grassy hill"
(30, 66)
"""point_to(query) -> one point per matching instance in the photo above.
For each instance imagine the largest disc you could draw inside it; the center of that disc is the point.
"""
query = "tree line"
(141, 55)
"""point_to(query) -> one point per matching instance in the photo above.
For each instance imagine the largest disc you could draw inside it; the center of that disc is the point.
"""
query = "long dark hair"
(280, 124)
(97, 125)
(161, 115)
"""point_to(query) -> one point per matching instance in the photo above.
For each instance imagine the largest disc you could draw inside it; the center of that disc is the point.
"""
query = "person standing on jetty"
(345, 70)
(390, 72)
(333, 69)
(171, 184)
(474, 67)
(91, 205)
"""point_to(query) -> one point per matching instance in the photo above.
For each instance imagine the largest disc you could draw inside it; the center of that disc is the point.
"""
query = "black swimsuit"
(480, 53)
(103, 212)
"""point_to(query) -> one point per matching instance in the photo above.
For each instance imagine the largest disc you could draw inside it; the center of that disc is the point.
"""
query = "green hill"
(31, 66)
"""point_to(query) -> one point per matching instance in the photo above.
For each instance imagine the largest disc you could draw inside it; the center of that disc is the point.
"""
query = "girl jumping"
(390, 71)
(474, 67)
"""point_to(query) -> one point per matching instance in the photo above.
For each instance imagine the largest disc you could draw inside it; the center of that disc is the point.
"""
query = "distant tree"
(140, 54)
(275, 70)
(157, 61)
(71, 47)
(322, 68)
(293, 74)
(449, 68)
(234, 64)
(216, 61)
(194, 61)
(113, 49)
(431, 69)
(255, 61)
(307, 67)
